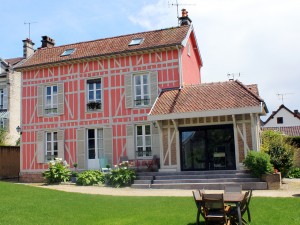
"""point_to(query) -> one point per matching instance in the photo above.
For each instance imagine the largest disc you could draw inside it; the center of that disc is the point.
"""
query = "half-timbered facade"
(88, 101)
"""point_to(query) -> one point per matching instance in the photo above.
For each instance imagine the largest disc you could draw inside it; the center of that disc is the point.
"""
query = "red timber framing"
(117, 119)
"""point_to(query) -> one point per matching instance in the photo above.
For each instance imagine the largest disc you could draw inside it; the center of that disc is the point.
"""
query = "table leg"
(238, 207)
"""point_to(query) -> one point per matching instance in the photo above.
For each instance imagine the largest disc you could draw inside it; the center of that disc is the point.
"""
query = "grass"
(21, 204)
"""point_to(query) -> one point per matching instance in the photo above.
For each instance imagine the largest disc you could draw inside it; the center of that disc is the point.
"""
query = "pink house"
(106, 98)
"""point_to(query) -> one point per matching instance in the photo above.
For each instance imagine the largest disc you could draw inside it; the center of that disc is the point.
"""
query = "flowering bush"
(58, 171)
(121, 176)
(90, 177)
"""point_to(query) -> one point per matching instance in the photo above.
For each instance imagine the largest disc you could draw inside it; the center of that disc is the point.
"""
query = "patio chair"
(232, 188)
(197, 195)
(244, 208)
(214, 209)
(154, 162)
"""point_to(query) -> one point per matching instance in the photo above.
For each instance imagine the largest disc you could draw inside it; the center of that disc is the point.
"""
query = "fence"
(9, 161)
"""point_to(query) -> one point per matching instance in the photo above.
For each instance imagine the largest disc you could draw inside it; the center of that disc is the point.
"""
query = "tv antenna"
(232, 75)
(282, 96)
(29, 23)
(177, 4)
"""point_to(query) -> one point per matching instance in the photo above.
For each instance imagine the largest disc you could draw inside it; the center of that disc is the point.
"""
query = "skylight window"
(136, 41)
(68, 52)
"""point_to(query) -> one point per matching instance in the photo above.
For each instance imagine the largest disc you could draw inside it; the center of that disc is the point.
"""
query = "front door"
(207, 148)
(95, 148)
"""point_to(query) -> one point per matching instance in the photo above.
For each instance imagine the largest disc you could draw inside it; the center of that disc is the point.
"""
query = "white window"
(1, 98)
(141, 90)
(143, 141)
(189, 49)
(94, 94)
(51, 145)
(3, 123)
(51, 99)
(95, 148)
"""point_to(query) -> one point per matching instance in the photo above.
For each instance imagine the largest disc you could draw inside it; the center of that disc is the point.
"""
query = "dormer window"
(136, 41)
(68, 52)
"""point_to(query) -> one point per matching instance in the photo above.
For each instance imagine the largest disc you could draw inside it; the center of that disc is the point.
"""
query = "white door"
(95, 148)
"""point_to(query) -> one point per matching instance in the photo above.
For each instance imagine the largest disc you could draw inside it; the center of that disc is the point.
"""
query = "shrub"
(282, 158)
(258, 163)
(90, 177)
(294, 173)
(120, 177)
(58, 171)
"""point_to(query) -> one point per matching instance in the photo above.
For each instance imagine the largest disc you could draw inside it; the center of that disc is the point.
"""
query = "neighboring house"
(10, 87)
(91, 100)
(10, 93)
(285, 121)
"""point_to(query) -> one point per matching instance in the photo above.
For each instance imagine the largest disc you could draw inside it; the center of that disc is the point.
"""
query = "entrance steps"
(209, 180)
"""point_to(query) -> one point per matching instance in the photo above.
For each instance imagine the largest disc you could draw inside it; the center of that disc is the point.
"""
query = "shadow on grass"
(296, 195)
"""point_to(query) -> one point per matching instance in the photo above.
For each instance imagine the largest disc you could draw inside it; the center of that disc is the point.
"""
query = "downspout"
(179, 66)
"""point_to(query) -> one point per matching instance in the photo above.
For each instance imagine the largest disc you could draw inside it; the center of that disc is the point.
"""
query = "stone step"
(211, 176)
(211, 180)
(205, 186)
(193, 172)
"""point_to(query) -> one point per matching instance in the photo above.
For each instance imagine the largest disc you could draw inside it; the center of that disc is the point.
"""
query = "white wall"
(288, 119)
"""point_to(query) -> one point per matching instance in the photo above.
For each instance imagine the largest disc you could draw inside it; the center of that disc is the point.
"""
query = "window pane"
(55, 136)
(139, 130)
(137, 80)
(148, 140)
(147, 129)
(54, 89)
(90, 86)
(48, 136)
(139, 141)
(49, 146)
(145, 79)
(98, 95)
(91, 95)
(55, 147)
(138, 90)
(146, 89)
(91, 134)
(48, 90)
(98, 85)
(92, 154)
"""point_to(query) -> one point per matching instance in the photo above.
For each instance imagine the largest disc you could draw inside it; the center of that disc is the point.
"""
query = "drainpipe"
(180, 66)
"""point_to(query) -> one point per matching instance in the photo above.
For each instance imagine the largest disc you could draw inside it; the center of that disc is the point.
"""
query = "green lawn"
(21, 204)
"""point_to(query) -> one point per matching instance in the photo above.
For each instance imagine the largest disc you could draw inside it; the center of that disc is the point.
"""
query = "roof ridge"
(113, 37)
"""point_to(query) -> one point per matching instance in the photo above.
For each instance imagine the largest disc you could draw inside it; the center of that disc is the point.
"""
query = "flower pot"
(273, 180)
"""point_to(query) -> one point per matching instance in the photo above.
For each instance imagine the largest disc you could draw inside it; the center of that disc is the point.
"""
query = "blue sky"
(260, 39)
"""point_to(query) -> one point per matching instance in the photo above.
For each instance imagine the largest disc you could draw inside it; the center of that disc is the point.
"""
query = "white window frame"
(143, 141)
(94, 100)
(1, 98)
(141, 98)
(98, 143)
(51, 108)
(51, 145)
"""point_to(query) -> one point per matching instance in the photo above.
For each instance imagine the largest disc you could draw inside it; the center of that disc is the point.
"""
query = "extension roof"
(207, 99)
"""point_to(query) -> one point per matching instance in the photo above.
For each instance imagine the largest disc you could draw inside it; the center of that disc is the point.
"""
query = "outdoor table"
(236, 198)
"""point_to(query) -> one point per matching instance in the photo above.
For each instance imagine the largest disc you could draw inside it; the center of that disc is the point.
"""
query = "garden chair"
(244, 208)
(197, 195)
(153, 163)
(214, 209)
(232, 188)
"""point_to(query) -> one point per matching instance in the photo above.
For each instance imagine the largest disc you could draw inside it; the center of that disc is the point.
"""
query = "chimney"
(184, 19)
(296, 112)
(28, 49)
(47, 42)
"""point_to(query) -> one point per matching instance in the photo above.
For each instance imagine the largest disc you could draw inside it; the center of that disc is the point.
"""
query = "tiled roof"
(13, 61)
(253, 88)
(205, 97)
(109, 46)
(289, 131)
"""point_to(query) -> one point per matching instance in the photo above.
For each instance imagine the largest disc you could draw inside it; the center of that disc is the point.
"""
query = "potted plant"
(94, 105)
(74, 174)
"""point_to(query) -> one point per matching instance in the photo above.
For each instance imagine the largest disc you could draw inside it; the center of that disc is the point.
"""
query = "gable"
(283, 117)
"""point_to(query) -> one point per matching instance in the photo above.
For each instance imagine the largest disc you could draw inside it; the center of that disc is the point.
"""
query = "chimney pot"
(296, 112)
(47, 42)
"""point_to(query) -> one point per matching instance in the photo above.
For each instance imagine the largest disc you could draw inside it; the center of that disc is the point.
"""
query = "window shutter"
(107, 144)
(5, 98)
(40, 100)
(60, 99)
(130, 142)
(40, 147)
(153, 86)
(155, 141)
(128, 91)
(81, 156)
(60, 143)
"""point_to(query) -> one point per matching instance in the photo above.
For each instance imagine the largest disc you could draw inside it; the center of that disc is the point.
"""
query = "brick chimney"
(28, 49)
(184, 19)
(47, 42)
(296, 113)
